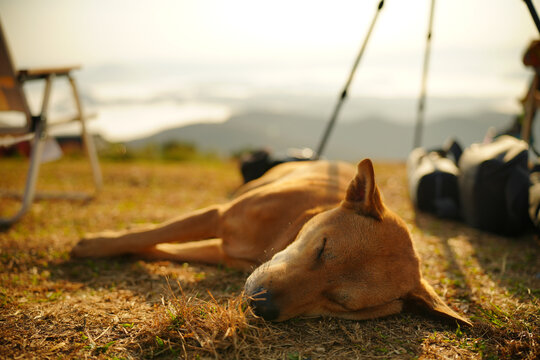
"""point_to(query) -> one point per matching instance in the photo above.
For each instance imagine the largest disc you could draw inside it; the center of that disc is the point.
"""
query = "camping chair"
(36, 127)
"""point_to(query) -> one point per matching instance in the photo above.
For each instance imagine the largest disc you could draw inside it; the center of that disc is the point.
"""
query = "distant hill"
(371, 137)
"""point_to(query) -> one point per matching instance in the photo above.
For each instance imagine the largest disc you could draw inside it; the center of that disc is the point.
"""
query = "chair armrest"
(41, 73)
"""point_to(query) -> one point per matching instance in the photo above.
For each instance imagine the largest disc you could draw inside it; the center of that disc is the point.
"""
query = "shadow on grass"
(150, 279)
(512, 262)
(496, 280)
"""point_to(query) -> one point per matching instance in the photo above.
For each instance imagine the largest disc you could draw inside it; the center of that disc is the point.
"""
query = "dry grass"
(55, 307)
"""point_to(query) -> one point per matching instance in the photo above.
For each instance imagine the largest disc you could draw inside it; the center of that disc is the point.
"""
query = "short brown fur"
(319, 234)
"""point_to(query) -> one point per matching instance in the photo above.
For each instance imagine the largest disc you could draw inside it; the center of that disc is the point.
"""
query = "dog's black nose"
(263, 305)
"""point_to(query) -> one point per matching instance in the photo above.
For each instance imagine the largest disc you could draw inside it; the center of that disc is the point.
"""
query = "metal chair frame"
(36, 129)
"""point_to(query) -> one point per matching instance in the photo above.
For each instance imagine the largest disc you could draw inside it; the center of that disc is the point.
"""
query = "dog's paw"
(98, 245)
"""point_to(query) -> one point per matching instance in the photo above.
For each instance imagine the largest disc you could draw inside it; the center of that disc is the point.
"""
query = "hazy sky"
(477, 43)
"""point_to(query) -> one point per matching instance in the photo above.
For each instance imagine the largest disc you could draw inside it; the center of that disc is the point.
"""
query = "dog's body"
(328, 244)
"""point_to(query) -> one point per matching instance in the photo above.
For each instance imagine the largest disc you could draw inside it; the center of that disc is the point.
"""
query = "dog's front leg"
(206, 251)
(199, 225)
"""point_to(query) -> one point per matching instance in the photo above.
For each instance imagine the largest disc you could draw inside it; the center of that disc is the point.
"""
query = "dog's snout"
(263, 305)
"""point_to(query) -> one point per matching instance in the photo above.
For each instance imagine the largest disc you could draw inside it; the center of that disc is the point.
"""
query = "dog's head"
(356, 261)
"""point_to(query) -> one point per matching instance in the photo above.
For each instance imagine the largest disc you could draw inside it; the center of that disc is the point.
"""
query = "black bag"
(433, 180)
(254, 164)
(494, 186)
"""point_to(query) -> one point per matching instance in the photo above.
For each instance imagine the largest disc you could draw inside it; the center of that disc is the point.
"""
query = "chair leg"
(32, 175)
(40, 137)
(88, 141)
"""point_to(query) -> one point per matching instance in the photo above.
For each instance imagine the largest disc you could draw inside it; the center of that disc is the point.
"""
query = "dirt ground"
(52, 306)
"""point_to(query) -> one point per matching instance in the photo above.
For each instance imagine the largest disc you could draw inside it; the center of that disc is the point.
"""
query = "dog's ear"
(363, 195)
(425, 299)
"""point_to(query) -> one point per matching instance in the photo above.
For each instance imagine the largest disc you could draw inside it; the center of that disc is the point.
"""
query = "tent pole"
(343, 93)
(422, 100)
(534, 15)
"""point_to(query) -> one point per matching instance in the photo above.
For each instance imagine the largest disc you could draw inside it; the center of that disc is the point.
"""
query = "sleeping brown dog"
(321, 239)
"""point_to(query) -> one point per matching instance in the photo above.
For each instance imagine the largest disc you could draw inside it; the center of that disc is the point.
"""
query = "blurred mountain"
(351, 140)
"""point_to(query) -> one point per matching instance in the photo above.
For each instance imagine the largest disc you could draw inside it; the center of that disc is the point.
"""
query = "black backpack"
(433, 180)
(494, 186)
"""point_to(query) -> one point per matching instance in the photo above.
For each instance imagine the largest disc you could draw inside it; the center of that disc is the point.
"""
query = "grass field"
(52, 306)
